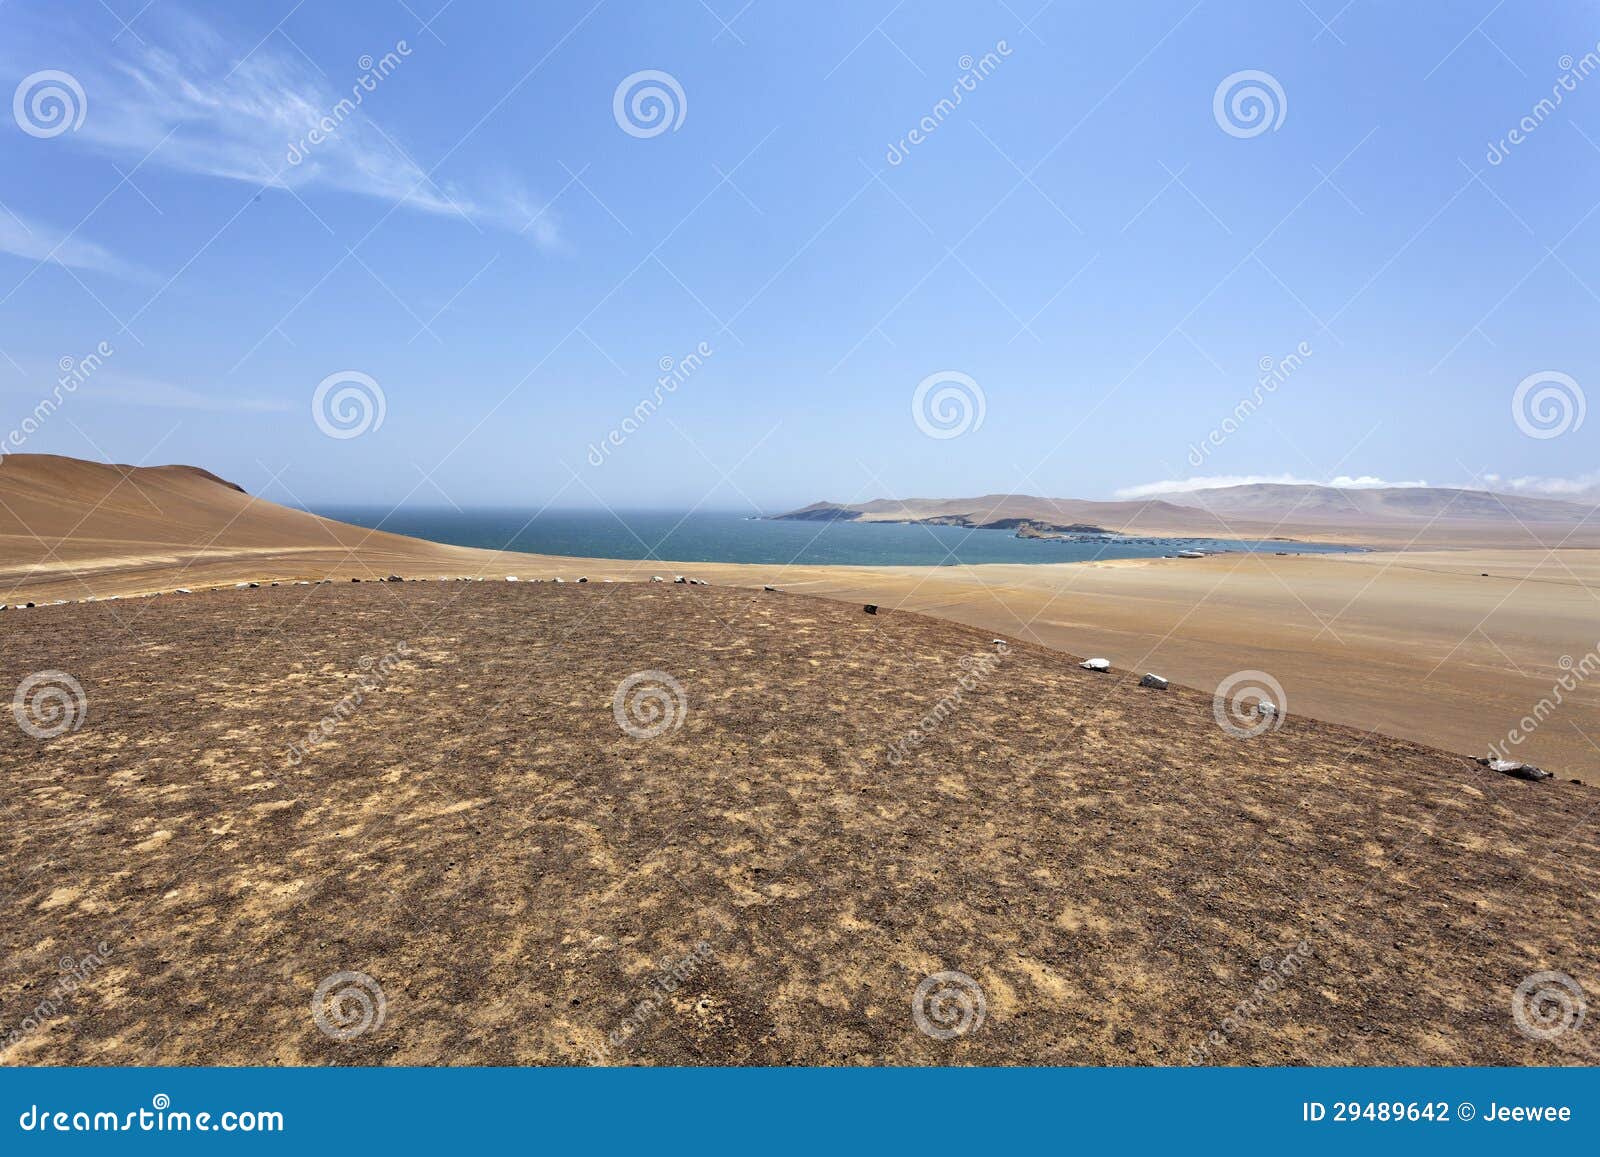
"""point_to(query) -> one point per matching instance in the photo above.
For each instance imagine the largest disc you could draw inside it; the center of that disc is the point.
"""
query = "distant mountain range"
(1423, 515)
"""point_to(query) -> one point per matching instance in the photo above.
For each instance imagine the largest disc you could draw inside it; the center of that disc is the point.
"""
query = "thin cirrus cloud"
(196, 104)
(1216, 481)
(36, 241)
(132, 391)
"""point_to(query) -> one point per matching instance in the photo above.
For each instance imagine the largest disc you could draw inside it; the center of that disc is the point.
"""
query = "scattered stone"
(355, 580)
(240, 586)
(558, 580)
(1096, 664)
(253, 586)
(394, 578)
(773, 590)
(1512, 767)
(1155, 681)
(511, 578)
(871, 608)
(583, 578)
(1266, 709)
(679, 579)
(655, 578)
(179, 591)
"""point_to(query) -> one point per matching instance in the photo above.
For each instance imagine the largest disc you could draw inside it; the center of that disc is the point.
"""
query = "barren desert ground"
(762, 871)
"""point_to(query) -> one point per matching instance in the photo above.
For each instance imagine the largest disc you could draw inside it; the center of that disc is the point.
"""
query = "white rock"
(511, 578)
(1155, 681)
(1512, 767)
(1096, 664)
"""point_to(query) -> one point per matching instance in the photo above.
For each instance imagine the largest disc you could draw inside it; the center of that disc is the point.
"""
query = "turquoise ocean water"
(724, 537)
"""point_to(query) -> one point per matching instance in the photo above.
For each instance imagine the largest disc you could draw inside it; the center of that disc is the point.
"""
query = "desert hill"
(1410, 516)
(1416, 504)
(71, 528)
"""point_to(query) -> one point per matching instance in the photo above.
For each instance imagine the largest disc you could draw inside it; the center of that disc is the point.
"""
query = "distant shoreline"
(706, 538)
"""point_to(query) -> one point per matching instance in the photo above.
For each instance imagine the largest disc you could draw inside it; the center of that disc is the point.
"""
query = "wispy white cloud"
(1215, 481)
(1578, 486)
(133, 391)
(184, 98)
(36, 241)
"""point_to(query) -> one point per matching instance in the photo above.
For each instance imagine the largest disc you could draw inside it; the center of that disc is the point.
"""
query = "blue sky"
(1081, 236)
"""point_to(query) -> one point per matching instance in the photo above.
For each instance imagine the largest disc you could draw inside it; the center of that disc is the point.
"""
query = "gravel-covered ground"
(486, 859)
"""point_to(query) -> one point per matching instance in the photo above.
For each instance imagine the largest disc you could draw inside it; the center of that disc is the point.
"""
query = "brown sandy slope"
(481, 839)
(70, 528)
(1454, 648)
